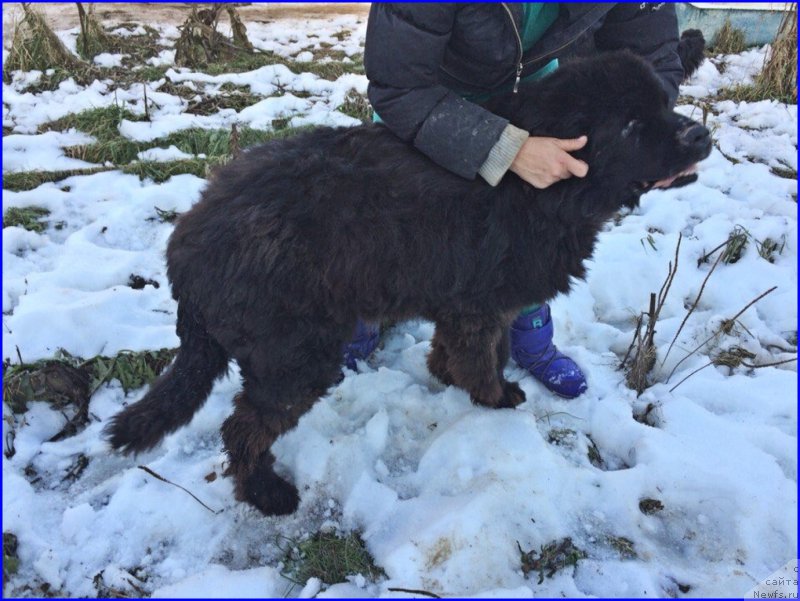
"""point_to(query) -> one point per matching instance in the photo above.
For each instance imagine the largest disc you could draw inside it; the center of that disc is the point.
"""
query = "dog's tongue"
(666, 183)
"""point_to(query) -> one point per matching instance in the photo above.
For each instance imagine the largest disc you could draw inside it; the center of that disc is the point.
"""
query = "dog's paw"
(513, 395)
(269, 493)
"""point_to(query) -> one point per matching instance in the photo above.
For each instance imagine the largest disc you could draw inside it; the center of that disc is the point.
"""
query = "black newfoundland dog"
(297, 238)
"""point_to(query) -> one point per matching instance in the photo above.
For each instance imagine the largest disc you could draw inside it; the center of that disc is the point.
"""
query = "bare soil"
(64, 15)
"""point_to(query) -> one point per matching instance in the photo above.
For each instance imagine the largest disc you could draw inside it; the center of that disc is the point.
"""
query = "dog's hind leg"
(503, 351)
(475, 347)
(281, 382)
(437, 360)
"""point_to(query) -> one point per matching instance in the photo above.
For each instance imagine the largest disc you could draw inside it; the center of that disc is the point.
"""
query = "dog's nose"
(695, 136)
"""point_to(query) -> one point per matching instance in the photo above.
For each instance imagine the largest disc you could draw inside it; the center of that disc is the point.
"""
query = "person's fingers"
(571, 144)
(575, 167)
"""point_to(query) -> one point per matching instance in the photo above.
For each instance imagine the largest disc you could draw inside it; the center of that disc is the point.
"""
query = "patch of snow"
(106, 59)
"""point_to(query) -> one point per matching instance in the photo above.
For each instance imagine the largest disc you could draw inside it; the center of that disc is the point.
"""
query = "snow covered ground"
(699, 482)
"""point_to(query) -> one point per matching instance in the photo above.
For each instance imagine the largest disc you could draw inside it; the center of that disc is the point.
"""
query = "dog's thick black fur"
(297, 238)
(691, 50)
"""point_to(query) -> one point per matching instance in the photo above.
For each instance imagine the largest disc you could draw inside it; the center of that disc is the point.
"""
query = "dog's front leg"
(473, 349)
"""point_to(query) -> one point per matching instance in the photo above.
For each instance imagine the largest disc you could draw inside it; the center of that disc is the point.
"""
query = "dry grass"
(729, 40)
(92, 39)
(650, 506)
(356, 105)
(552, 557)
(778, 78)
(36, 47)
(201, 44)
(641, 356)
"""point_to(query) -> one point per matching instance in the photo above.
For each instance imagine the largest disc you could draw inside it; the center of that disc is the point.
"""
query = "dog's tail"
(691, 50)
(177, 394)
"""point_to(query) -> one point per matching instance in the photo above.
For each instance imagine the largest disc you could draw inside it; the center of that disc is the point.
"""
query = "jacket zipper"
(519, 46)
(564, 45)
(520, 64)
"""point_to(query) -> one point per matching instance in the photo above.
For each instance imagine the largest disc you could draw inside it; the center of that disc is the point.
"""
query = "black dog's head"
(617, 100)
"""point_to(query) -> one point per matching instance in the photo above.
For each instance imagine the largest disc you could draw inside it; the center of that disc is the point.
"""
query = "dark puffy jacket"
(421, 58)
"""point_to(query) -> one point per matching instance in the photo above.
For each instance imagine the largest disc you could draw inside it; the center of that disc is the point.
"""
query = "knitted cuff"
(502, 154)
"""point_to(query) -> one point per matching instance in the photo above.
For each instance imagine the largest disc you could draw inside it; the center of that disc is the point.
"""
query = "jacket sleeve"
(650, 30)
(404, 49)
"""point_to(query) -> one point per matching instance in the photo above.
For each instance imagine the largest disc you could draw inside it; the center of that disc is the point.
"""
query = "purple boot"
(533, 349)
(364, 341)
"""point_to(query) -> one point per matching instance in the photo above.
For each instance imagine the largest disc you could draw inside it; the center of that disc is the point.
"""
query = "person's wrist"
(503, 154)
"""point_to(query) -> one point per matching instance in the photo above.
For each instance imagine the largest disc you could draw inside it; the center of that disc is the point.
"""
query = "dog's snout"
(695, 136)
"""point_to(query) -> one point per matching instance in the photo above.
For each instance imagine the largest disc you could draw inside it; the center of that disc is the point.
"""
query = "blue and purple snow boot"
(533, 349)
(364, 341)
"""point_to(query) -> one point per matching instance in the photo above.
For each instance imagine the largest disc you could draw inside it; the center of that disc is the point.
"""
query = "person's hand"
(545, 161)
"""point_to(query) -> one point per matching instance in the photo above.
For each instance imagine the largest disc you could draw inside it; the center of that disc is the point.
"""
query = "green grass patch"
(327, 70)
(86, 74)
(161, 171)
(119, 151)
(562, 436)
(111, 146)
(67, 379)
(49, 81)
(733, 248)
(165, 215)
(102, 123)
(178, 89)
(551, 558)
(244, 62)
(356, 105)
(29, 180)
(332, 70)
(331, 558)
(149, 72)
(735, 245)
(208, 105)
(29, 218)
(325, 52)
(68, 383)
(593, 454)
(217, 142)
(10, 557)
(234, 88)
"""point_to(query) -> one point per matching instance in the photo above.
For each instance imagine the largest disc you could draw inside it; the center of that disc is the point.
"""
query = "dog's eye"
(632, 124)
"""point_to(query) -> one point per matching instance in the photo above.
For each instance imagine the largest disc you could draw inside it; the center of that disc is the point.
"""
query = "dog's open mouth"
(682, 178)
